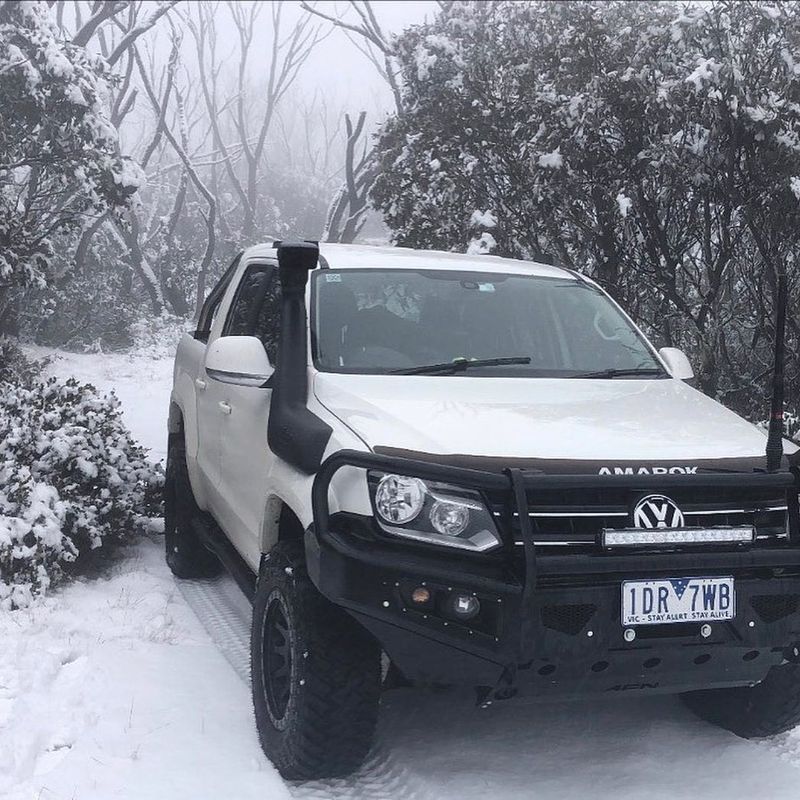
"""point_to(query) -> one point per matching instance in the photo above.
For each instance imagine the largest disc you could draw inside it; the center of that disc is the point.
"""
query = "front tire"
(186, 555)
(753, 712)
(315, 674)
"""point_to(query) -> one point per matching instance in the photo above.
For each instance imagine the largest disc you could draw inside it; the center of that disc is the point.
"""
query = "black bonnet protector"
(609, 466)
(295, 434)
(527, 575)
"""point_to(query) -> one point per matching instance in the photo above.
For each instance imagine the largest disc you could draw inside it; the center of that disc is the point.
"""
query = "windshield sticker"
(485, 287)
(333, 277)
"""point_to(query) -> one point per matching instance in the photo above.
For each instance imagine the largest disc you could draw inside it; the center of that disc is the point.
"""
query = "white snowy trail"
(225, 614)
(441, 746)
(132, 686)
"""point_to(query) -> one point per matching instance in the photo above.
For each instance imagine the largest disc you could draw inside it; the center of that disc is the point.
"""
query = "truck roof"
(358, 256)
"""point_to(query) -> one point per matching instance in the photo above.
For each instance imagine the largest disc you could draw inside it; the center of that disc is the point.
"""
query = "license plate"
(670, 600)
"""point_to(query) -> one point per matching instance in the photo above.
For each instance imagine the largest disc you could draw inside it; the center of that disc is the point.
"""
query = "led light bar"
(638, 537)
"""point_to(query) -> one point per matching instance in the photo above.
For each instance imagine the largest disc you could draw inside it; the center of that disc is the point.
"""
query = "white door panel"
(245, 466)
(243, 414)
(209, 418)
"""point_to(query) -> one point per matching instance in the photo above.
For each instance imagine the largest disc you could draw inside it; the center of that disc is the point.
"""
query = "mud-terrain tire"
(315, 674)
(187, 557)
(753, 712)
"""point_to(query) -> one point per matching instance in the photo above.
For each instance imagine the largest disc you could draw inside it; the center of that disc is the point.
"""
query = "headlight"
(441, 514)
(399, 499)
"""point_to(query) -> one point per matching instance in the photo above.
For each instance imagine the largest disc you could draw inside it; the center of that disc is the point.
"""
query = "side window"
(256, 308)
(268, 321)
(242, 315)
(210, 307)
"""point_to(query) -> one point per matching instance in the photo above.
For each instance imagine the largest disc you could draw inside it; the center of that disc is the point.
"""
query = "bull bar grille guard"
(519, 484)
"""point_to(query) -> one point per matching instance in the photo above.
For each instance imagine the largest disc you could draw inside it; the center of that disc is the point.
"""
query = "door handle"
(200, 383)
(225, 407)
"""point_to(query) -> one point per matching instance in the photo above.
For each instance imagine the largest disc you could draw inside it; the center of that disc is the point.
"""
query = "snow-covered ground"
(112, 689)
(133, 685)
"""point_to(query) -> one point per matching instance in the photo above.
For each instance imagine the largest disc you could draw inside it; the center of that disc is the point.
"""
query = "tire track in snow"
(225, 613)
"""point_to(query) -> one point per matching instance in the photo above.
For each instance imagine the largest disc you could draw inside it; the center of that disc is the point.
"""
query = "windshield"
(384, 321)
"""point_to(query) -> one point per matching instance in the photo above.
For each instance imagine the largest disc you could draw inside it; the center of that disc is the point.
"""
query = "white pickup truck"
(439, 469)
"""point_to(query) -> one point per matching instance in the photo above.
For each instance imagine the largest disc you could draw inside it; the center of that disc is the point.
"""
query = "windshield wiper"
(461, 365)
(620, 373)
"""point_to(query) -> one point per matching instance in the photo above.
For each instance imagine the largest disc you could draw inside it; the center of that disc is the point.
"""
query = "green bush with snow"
(72, 479)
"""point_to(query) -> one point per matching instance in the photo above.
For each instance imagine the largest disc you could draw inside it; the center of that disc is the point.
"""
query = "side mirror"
(677, 364)
(240, 360)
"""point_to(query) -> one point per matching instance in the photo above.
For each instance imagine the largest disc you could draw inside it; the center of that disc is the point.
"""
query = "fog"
(338, 69)
(337, 73)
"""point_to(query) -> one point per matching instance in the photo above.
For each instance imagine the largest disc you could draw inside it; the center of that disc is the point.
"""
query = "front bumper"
(550, 624)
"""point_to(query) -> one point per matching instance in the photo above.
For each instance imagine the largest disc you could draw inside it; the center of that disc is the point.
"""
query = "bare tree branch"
(347, 212)
(137, 30)
(180, 149)
(100, 13)
(372, 33)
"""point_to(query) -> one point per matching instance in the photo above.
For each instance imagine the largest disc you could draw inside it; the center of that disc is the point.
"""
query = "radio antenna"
(775, 430)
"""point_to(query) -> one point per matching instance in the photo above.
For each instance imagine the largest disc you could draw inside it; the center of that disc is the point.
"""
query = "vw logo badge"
(657, 511)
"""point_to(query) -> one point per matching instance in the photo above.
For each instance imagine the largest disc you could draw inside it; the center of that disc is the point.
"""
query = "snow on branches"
(59, 156)
(71, 477)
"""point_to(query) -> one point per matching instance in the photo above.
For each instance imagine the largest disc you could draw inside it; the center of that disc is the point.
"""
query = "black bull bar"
(519, 486)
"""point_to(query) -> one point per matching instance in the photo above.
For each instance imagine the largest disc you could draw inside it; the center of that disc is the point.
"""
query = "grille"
(574, 518)
(570, 619)
(772, 607)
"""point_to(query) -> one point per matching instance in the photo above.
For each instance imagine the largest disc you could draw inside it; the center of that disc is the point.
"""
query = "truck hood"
(607, 422)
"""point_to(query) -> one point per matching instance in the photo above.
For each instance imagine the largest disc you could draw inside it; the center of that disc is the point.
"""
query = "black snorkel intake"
(775, 430)
(294, 433)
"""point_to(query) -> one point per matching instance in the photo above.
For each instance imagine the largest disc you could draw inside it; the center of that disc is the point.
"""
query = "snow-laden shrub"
(792, 424)
(72, 479)
(84, 313)
(15, 367)
(158, 338)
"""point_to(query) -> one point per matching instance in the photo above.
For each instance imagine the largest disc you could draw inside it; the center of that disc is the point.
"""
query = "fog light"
(420, 596)
(463, 606)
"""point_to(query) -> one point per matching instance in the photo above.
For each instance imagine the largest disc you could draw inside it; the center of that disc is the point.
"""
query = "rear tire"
(187, 557)
(753, 712)
(315, 674)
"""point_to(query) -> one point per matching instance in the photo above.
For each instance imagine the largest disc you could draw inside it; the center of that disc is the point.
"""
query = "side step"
(215, 540)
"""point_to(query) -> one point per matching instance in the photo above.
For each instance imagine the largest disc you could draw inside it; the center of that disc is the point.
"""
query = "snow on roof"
(353, 256)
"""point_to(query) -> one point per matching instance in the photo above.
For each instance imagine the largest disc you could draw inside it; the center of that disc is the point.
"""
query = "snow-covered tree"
(654, 145)
(59, 158)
